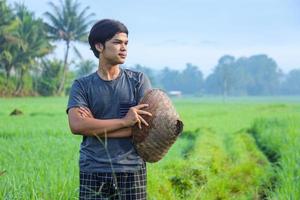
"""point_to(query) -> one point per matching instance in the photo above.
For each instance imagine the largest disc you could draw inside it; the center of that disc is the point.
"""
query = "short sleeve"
(77, 96)
(143, 86)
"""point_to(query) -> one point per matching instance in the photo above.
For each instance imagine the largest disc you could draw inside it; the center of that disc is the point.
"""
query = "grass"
(215, 157)
(279, 138)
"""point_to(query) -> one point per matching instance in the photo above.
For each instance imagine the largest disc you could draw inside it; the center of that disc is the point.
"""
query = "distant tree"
(212, 85)
(8, 38)
(191, 80)
(291, 84)
(264, 75)
(68, 22)
(85, 67)
(169, 79)
(32, 44)
(257, 75)
(51, 72)
(241, 77)
(226, 70)
(146, 70)
(221, 81)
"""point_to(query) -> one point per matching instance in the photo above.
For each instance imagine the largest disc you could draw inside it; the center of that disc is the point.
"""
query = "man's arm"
(123, 132)
(82, 122)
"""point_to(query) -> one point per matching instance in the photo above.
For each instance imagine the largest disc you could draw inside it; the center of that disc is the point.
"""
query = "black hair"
(103, 31)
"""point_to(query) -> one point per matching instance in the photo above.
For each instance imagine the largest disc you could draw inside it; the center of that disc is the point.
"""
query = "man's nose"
(123, 47)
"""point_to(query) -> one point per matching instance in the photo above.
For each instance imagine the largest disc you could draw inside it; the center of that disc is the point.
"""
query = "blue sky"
(174, 32)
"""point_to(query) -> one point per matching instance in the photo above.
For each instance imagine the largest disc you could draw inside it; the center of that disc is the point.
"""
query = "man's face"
(115, 50)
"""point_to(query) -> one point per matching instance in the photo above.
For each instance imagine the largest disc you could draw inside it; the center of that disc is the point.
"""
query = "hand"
(85, 112)
(133, 115)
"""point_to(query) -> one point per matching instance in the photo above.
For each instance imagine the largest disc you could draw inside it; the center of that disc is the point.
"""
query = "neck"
(107, 71)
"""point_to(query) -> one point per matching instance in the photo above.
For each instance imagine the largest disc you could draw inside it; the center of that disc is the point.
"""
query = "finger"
(143, 112)
(140, 106)
(86, 111)
(82, 109)
(82, 115)
(139, 123)
(83, 112)
(89, 114)
(85, 108)
(143, 121)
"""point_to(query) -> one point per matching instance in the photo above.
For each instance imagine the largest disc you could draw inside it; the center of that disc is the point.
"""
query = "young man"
(102, 108)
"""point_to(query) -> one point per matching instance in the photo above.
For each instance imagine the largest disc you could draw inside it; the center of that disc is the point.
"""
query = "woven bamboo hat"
(153, 142)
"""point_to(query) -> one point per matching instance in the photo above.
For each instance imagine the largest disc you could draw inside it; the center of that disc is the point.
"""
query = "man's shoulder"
(86, 78)
(132, 73)
(135, 75)
(84, 82)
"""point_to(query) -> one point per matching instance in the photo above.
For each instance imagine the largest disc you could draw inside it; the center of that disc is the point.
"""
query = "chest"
(112, 100)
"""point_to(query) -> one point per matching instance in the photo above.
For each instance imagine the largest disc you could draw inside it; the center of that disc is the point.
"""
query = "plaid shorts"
(120, 185)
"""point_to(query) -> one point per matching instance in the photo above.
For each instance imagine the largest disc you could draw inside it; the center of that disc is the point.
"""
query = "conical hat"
(153, 142)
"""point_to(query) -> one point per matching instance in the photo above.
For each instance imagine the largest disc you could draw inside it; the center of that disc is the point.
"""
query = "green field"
(241, 148)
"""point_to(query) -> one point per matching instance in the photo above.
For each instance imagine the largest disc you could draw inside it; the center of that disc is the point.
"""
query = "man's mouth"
(122, 55)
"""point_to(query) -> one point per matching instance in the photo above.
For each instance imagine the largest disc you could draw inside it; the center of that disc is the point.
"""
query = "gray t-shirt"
(108, 100)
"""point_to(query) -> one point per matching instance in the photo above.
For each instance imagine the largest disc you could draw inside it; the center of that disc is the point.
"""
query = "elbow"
(75, 131)
(76, 123)
(76, 128)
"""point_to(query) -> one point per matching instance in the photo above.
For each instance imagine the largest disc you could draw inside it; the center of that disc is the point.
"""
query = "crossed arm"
(82, 122)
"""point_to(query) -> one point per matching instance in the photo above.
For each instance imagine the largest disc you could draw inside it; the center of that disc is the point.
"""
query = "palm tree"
(8, 37)
(68, 22)
(33, 44)
(85, 67)
(48, 81)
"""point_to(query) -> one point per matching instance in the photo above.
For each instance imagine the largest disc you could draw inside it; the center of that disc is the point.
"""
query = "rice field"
(238, 148)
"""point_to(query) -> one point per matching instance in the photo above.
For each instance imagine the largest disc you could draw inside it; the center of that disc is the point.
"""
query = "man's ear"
(99, 47)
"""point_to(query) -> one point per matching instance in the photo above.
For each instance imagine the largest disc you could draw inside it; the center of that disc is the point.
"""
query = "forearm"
(99, 127)
(82, 122)
(120, 133)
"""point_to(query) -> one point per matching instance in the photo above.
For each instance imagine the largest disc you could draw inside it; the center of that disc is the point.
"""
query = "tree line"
(26, 69)
(25, 42)
(256, 75)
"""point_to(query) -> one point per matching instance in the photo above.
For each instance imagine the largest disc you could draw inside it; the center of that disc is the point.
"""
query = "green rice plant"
(232, 165)
(279, 138)
(214, 158)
